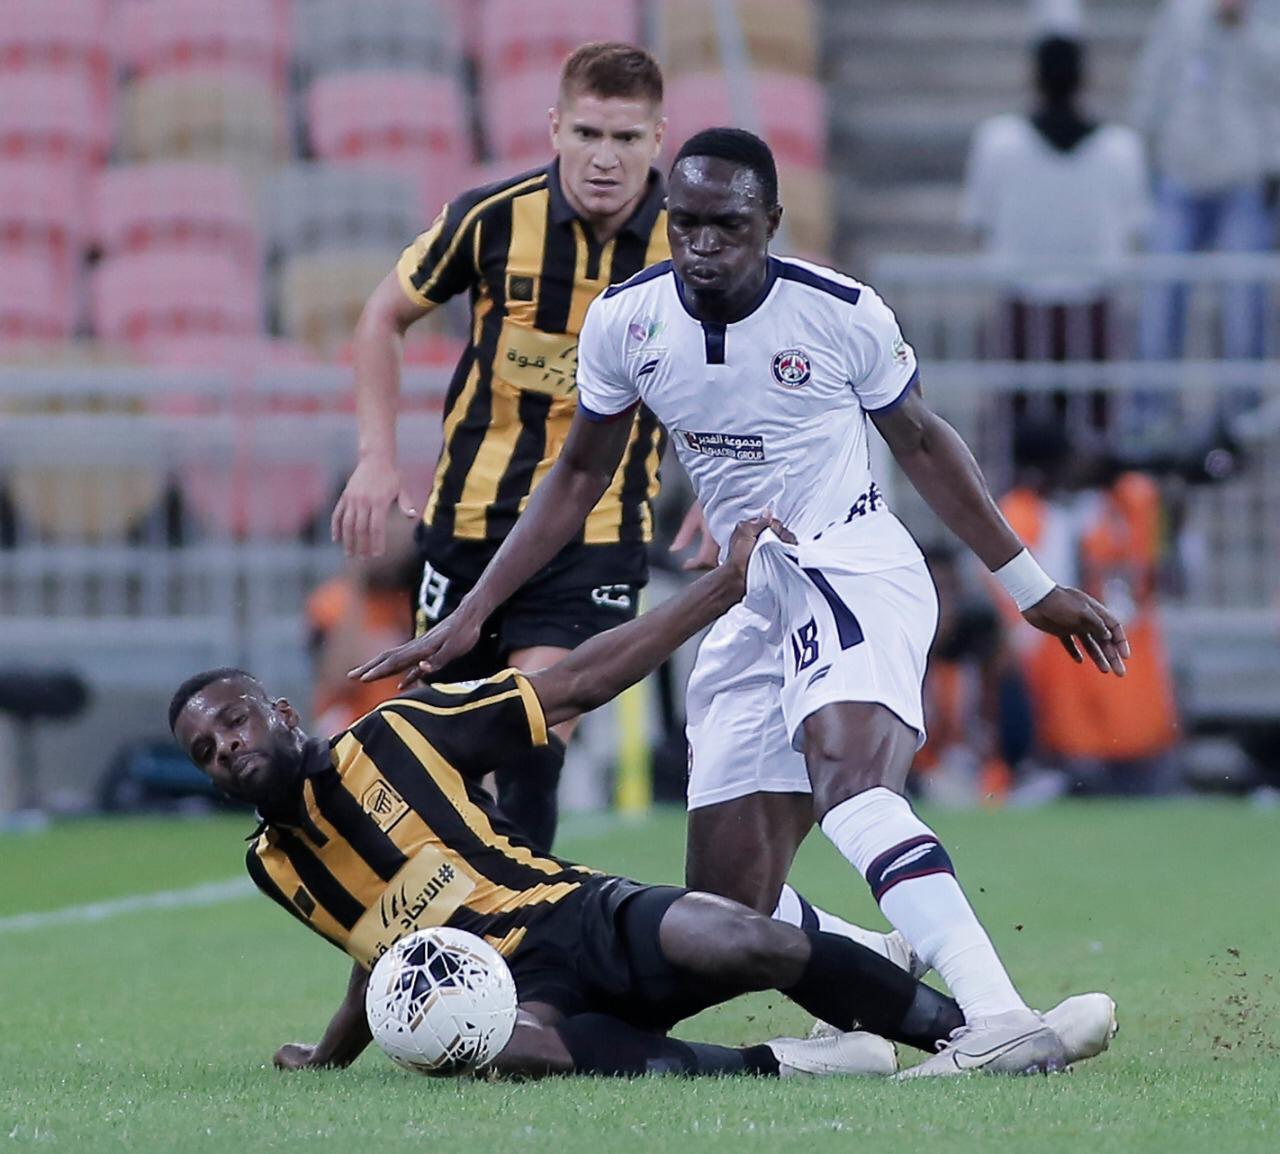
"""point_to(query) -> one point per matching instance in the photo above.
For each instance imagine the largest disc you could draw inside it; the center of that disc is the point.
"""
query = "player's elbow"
(387, 312)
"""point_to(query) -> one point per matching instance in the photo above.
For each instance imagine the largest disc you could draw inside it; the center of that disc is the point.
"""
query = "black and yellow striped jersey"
(531, 266)
(393, 832)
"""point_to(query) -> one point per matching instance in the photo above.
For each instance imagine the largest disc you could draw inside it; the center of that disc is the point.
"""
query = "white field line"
(229, 890)
(207, 894)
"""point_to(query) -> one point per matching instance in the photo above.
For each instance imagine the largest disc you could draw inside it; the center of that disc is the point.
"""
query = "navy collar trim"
(772, 272)
(640, 222)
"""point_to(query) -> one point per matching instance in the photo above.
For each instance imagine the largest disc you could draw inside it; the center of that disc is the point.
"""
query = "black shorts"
(585, 590)
(599, 952)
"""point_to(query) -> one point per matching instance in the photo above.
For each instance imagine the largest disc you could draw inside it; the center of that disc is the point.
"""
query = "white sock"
(798, 911)
(910, 876)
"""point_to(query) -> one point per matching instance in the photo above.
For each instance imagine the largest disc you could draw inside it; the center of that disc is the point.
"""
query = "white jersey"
(769, 412)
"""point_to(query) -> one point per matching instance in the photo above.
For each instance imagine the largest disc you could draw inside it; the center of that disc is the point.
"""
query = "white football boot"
(853, 1053)
(1017, 1042)
(1086, 1024)
(898, 950)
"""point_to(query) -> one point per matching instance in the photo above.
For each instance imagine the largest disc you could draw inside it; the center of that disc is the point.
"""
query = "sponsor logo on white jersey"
(739, 446)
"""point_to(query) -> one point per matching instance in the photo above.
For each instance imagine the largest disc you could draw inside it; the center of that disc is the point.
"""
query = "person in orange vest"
(367, 604)
(966, 757)
(1101, 525)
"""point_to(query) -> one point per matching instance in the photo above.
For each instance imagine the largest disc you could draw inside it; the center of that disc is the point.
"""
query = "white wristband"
(1024, 580)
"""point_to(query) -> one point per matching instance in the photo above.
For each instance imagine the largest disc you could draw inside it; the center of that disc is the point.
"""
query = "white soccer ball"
(441, 1001)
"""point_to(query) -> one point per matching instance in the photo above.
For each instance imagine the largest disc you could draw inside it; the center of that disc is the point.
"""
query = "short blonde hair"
(610, 68)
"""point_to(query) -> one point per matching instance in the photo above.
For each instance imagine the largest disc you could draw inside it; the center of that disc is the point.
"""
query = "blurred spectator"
(364, 610)
(971, 712)
(1097, 527)
(1048, 191)
(1205, 99)
(1056, 17)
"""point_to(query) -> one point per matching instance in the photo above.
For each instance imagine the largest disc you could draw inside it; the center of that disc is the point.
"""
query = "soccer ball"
(441, 1001)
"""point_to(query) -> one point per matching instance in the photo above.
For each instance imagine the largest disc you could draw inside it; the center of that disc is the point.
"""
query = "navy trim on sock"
(808, 915)
(917, 857)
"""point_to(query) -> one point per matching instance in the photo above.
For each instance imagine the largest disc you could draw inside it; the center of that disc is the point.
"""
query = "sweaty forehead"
(202, 708)
(712, 179)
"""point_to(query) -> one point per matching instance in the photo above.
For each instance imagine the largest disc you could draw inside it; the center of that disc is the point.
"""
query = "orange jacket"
(1079, 712)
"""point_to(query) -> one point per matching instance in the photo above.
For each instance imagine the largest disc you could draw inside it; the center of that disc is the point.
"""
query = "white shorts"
(811, 632)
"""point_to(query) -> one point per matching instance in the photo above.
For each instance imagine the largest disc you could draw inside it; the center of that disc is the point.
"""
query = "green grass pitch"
(153, 1030)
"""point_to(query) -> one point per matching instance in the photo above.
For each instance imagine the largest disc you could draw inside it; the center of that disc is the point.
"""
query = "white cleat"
(1014, 1043)
(899, 951)
(849, 1054)
(1086, 1024)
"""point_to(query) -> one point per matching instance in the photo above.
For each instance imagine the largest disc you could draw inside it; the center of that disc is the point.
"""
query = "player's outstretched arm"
(556, 511)
(599, 669)
(360, 517)
(945, 474)
(345, 1038)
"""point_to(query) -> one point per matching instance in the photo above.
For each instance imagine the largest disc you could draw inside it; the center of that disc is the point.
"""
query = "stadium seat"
(206, 116)
(140, 296)
(517, 35)
(339, 36)
(42, 214)
(175, 205)
(319, 295)
(203, 350)
(247, 39)
(33, 305)
(108, 476)
(396, 121)
(61, 37)
(514, 112)
(778, 34)
(308, 207)
(54, 117)
(789, 112)
(808, 220)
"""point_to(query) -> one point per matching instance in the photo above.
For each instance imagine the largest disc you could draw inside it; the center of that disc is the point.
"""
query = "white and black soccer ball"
(441, 1001)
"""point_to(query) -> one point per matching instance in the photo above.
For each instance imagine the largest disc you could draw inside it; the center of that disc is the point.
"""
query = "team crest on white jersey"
(791, 368)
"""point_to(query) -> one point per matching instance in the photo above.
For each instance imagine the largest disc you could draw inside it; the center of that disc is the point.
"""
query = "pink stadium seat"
(52, 116)
(42, 215)
(521, 34)
(59, 36)
(514, 110)
(139, 296)
(33, 306)
(203, 350)
(244, 37)
(392, 120)
(790, 113)
(175, 205)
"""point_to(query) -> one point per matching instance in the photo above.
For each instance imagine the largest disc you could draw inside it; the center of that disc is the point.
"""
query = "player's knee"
(765, 952)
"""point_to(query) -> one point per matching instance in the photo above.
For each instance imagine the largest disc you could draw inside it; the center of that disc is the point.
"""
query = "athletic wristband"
(1024, 580)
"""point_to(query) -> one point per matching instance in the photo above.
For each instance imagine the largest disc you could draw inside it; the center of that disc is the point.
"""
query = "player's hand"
(1080, 621)
(294, 1056)
(360, 518)
(743, 542)
(454, 637)
(694, 528)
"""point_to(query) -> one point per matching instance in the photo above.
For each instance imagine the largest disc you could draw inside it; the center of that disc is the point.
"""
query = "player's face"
(719, 228)
(606, 147)
(249, 747)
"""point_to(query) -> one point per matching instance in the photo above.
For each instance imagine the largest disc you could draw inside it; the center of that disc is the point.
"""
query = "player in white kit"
(805, 703)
